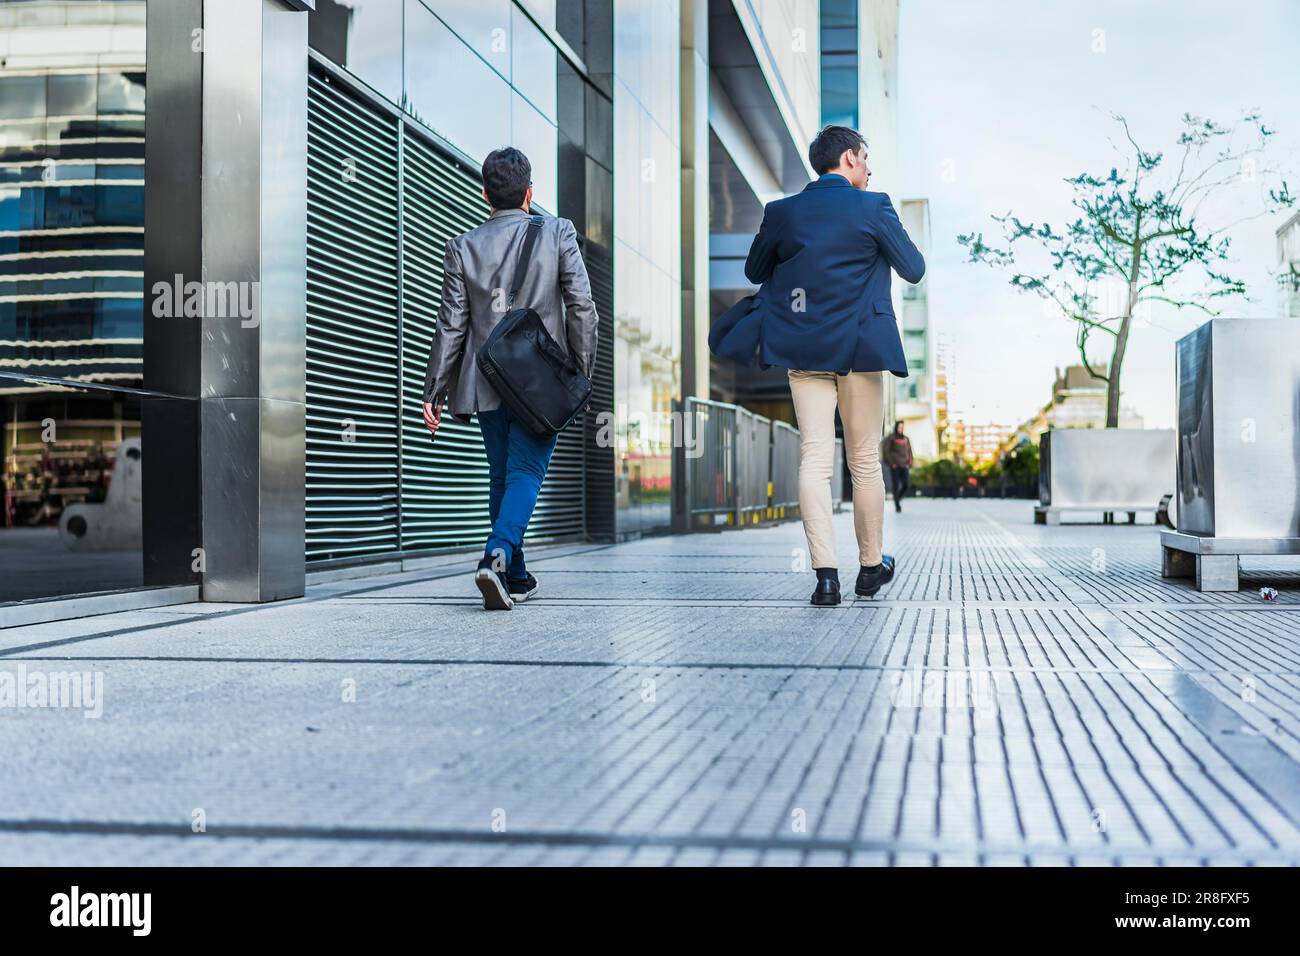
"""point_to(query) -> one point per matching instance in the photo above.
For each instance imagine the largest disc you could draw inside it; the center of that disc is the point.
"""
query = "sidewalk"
(1020, 695)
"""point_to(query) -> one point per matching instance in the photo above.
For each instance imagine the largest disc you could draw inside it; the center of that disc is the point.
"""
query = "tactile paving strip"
(1020, 695)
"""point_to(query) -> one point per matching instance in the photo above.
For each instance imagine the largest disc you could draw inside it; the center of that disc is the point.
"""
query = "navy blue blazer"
(822, 259)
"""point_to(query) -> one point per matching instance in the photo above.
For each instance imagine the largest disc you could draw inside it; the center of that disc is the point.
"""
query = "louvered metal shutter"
(352, 341)
(356, 346)
(600, 460)
(444, 482)
(559, 511)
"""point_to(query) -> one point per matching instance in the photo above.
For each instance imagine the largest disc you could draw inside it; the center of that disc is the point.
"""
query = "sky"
(1000, 100)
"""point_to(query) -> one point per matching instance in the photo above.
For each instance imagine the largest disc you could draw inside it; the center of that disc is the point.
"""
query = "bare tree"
(1138, 231)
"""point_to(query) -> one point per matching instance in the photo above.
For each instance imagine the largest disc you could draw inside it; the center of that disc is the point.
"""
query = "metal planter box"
(1103, 469)
(1238, 488)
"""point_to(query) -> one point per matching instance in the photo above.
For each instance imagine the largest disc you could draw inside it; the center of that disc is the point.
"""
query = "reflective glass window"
(22, 97)
(72, 94)
(121, 93)
(484, 25)
(543, 10)
(598, 123)
(839, 62)
(533, 64)
(441, 71)
(365, 37)
(534, 134)
(70, 475)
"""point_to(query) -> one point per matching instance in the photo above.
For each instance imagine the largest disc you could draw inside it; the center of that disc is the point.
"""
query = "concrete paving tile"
(675, 701)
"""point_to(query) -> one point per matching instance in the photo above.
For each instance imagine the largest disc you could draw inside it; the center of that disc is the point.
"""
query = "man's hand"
(432, 416)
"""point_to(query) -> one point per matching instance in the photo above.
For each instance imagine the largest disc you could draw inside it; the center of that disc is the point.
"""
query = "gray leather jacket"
(477, 272)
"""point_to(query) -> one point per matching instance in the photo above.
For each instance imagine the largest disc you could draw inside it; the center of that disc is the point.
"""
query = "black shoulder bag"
(537, 379)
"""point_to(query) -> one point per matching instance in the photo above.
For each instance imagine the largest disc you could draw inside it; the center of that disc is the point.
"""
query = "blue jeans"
(517, 463)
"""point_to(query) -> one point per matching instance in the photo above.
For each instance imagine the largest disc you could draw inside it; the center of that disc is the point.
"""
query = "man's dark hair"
(507, 174)
(825, 152)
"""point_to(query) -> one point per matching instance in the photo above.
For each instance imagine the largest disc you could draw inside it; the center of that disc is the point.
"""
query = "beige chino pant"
(860, 399)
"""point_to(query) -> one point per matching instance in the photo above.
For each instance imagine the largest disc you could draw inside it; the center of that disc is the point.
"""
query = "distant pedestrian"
(896, 453)
(824, 258)
(478, 269)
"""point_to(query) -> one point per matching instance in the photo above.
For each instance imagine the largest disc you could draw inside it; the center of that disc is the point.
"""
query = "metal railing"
(710, 464)
(742, 469)
(753, 466)
(785, 469)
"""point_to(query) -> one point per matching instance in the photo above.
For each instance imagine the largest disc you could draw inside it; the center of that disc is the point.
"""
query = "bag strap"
(525, 257)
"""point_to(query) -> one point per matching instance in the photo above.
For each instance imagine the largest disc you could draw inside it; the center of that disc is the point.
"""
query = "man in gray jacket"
(477, 273)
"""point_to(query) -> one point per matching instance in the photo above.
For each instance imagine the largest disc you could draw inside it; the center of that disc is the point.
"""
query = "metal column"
(226, 209)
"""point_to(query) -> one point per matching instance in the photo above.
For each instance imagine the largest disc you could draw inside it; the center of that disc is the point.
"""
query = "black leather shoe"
(827, 593)
(871, 580)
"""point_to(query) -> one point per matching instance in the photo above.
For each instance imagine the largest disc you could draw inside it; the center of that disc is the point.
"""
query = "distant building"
(1288, 261)
(1078, 401)
(976, 444)
(942, 377)
(914, 396)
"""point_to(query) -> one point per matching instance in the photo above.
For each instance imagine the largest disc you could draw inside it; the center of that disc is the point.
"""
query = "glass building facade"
(479, 74)
(839, 63)
(72, 106)
(766, 106)
(647, 258)
(464, 78)
(401, 102)
(600, 122)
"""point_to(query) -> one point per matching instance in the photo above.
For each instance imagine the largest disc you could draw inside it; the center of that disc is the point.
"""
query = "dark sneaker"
(871, 580)
(522, 589)
(827, 593)
(496, 593)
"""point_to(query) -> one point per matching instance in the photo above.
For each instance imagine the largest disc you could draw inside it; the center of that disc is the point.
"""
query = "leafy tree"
(1139, 230)
(940, 476)
(1020, 466)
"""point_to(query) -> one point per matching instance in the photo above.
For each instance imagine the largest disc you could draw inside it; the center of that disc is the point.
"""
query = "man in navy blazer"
(823, 259)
